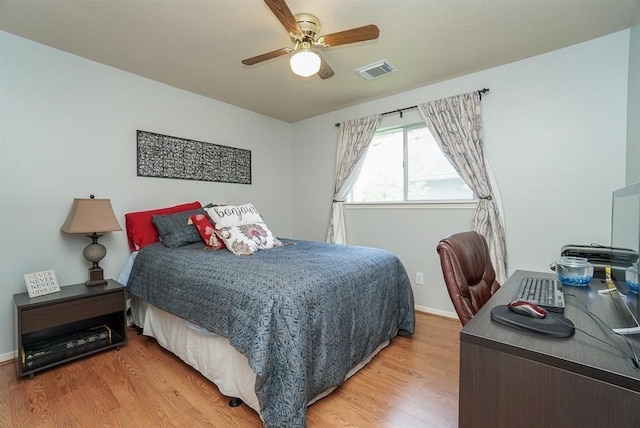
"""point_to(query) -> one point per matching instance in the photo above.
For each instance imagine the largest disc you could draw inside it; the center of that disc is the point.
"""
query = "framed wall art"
(165, 156)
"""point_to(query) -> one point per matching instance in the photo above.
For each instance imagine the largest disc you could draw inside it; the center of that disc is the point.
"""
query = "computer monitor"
(625, 243)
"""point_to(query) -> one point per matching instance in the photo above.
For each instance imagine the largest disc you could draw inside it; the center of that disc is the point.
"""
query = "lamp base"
(96, 277)
(95, 252)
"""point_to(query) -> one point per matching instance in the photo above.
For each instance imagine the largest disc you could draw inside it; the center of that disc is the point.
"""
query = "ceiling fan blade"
(359, 34)
(266, 56)
(284, 15)
(325, 70)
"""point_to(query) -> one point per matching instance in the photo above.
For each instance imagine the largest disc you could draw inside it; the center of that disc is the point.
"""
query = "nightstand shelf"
(75, 322)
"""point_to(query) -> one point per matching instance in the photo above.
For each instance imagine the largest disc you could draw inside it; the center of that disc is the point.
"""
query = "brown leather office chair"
(468, 272)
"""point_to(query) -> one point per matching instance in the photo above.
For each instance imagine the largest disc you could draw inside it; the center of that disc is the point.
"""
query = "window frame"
(405, 203)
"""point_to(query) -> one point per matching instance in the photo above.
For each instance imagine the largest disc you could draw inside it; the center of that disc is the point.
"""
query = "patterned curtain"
(456, 126)
(353, 141)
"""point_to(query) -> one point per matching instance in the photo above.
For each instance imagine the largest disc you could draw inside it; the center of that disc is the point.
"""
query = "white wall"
(633, 106)
(555, 131)
(68, 129)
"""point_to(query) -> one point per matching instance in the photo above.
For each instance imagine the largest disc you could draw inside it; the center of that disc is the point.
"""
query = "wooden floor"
(411, 383)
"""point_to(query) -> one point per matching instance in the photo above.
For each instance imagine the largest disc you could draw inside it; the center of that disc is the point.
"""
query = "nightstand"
(75, 322)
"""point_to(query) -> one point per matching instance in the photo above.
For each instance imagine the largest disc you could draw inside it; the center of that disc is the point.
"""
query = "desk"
(513, 378)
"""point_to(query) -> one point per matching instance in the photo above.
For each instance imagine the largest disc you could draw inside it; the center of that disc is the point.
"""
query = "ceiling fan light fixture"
(303, 30)
(305, 63)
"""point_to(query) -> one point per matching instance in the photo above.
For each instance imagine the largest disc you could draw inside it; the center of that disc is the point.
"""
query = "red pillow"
(207, 231)
(140, 229)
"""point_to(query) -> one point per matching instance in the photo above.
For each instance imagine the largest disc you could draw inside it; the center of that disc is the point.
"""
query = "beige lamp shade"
(89, 216)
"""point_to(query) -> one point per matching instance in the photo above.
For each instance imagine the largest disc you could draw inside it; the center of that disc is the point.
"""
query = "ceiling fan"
(303, 29)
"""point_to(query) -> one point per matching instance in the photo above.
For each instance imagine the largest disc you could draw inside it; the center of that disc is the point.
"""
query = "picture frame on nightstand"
(41, 283)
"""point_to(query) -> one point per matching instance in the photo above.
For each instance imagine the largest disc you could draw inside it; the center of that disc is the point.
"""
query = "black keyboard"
(545, 292)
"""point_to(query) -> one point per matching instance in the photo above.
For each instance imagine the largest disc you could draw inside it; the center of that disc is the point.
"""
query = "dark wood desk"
(511, 378)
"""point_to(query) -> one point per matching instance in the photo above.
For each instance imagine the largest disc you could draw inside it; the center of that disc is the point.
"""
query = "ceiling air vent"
(375, 70)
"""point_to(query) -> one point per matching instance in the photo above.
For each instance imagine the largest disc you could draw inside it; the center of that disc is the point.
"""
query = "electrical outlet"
(419, 278)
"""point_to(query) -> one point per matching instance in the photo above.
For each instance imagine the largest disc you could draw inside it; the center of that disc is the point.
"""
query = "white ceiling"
(197, 45)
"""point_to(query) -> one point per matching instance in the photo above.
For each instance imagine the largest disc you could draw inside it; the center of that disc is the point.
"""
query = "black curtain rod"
(400, 110)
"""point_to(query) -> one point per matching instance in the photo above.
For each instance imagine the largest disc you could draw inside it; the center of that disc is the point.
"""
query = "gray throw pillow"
(174, 230)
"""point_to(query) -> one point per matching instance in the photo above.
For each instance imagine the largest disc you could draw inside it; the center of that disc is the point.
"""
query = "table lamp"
(92, 216)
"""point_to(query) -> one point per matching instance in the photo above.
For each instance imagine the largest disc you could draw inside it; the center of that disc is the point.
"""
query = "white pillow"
(247, 239)
(231, 215)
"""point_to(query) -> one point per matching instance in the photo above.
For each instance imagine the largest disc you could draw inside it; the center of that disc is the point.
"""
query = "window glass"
(428, 175)
(381, 177)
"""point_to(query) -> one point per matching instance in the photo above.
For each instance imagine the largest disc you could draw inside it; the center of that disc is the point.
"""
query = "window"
(406, 164)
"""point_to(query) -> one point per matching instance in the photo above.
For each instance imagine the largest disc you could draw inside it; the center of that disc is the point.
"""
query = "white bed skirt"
(210, 354)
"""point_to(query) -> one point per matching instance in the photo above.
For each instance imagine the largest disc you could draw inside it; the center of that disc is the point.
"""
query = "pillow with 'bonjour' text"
(234, 215)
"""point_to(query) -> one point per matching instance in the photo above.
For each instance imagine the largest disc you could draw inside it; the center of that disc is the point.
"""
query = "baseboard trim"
(8, 357)
(436, 312)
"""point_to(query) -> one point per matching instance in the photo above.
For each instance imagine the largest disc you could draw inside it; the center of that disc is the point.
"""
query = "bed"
(293, 321)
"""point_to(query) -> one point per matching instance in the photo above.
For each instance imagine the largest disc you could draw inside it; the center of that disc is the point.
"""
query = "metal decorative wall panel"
(172, 157)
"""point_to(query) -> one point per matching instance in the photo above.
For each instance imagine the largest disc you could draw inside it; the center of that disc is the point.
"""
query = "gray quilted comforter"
(302, 314)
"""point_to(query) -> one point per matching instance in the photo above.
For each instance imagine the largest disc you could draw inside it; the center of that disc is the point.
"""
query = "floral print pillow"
(205, 227)
(246, 239)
